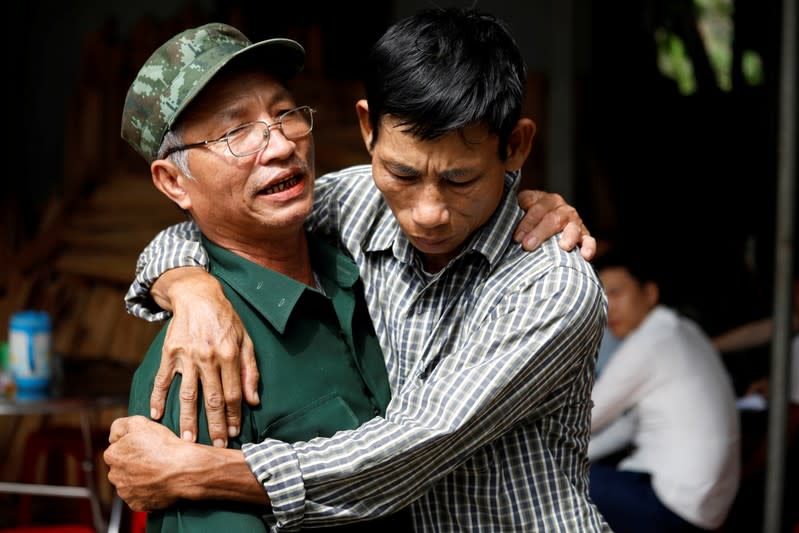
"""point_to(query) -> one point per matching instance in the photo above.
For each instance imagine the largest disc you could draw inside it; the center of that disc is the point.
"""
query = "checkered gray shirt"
(490, 362)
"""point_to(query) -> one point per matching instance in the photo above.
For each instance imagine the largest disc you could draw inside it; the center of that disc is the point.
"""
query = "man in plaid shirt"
(490, 350)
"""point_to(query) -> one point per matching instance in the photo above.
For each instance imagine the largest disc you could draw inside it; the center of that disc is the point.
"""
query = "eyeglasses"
(249, 138)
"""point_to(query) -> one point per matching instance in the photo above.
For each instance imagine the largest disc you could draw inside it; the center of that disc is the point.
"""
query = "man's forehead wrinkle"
(408, 170)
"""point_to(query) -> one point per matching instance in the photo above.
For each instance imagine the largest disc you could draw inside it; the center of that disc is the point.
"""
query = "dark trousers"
(629, 504)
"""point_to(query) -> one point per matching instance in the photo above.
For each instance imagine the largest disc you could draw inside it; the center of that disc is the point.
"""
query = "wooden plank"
(114, 268)
(153, 220)
(114, 241)
(68, 329)
(105, 305)
(132, 339)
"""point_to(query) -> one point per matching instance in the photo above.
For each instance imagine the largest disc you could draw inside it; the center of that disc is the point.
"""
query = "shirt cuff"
(277, 468)
(139, 304)
(148, 314)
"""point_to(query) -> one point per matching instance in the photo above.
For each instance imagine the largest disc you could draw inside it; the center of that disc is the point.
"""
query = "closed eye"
(237, 130)
(400, 171)
(460, 183)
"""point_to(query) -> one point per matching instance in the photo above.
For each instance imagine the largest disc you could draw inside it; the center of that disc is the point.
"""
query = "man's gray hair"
(173, 139)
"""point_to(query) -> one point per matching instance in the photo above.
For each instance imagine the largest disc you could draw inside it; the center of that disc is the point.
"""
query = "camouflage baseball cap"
(176, 73)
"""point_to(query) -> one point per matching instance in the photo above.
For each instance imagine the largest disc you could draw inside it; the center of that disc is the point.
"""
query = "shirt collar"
(490, 241)
(275, 295)
(331, 264)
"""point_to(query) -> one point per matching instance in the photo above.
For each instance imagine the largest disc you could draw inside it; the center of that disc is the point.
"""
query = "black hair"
(441, 70)
(641, 264)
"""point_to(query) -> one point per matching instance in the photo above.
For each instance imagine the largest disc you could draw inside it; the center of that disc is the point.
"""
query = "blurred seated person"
(667, 393)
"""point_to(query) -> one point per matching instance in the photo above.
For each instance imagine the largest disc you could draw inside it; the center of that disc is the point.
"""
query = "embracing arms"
(524, 354)
(207, 343)
(174, 469)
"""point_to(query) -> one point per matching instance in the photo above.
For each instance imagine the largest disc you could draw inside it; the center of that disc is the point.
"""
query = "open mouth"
(283, 185)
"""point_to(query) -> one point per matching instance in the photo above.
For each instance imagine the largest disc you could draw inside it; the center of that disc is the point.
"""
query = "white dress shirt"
(687, 436)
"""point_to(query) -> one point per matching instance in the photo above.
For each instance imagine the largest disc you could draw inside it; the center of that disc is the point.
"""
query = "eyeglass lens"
(252, 137)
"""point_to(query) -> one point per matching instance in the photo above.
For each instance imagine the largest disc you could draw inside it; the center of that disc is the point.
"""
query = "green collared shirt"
(321, 368)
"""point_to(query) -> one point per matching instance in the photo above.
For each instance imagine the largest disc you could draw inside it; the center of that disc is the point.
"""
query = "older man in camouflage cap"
(210, 112)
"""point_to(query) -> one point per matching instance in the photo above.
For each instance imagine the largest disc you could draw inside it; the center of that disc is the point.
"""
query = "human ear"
(652, 293)
(169, 179)
(519, 144)
(362, 109)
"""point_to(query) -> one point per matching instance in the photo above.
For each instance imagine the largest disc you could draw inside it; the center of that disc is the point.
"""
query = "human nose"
(431, 209)
(277, 146)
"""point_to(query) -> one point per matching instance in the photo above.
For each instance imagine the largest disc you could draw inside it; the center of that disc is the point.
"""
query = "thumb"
(119, 428)
(125, 425)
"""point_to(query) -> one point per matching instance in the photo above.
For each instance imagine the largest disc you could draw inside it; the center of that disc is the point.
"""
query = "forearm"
(152, 468)
(746, 336)
(217, 474)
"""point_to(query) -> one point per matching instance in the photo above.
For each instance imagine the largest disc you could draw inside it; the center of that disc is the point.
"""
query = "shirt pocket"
(320, 418)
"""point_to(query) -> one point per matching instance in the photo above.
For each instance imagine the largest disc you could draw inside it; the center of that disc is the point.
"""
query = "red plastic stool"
(50, 448)
(138, 522)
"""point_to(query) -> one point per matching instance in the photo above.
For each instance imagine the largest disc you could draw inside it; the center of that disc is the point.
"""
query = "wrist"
(210, 473)
(184, 283)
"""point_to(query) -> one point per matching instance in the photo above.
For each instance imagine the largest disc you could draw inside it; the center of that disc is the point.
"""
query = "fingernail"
(153, 413)
(255, 395)
(219, 443)
(187, 436)
(232, 431)
(520, 237)
(532, 242)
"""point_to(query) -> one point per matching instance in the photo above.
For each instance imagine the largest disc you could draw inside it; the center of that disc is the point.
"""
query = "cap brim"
(283, 57)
